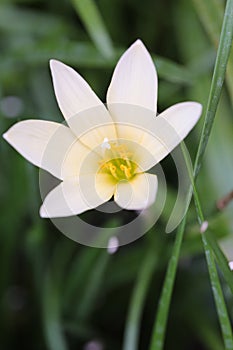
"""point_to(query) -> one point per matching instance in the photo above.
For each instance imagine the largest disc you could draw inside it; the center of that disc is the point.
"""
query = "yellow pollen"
(127, 171)
(112, 169)
(117, 162)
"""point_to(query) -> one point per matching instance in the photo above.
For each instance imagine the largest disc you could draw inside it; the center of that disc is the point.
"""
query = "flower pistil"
(117, 162)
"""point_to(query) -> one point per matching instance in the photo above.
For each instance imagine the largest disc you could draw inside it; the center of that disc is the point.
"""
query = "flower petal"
(133, 124)
(134, 80)
(80, 106)
(79, 160)
(105, 186)
(45, 144)
(169, 129)
(182, 117)
(153, 138)
(72, 92)
(93, 126)
(72, 197)
(138, 193)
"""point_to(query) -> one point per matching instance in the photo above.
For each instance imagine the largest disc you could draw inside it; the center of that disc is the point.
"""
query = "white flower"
(104, 152)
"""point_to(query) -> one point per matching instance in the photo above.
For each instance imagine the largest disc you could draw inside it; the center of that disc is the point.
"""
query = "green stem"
(224, 321)
(221, 259)
(159, 328)
(217, 82)
(136, 306)
(211, 13)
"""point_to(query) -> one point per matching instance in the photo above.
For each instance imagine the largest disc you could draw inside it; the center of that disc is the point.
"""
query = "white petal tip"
(53, 61)
(138, 42)
(198, 106)
(43, 212)
(8, 135)
(55, 64)
(231, 265)
(5, 136)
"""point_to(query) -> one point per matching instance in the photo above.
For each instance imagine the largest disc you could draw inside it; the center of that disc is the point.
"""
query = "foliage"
(58, 295)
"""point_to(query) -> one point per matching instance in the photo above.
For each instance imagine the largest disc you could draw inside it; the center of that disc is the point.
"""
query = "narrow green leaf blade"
(136, 306)
(95, 26)
(220, 258)
(158, 332)
(218, 297)
(159, 329)
(217, 82)
(211, 13)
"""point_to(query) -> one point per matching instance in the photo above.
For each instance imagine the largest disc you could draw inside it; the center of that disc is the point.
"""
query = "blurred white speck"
(11, 106)
(230, 265)
(106, 144)
(204, 226)
(93, 345)
(113, 245)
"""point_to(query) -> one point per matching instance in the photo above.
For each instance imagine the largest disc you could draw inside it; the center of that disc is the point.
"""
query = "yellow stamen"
(127, 171)
(117, 162)
(112, 169)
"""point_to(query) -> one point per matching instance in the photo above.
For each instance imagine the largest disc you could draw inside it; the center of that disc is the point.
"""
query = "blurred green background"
(54, 293)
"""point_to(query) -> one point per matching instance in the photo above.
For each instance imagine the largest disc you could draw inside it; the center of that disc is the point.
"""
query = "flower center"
(117, 161)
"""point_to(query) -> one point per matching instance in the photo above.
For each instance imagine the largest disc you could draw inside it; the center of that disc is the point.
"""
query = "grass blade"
(218, 297)
(159, 329)
(135, 309)
(54, 337)
(51, 298)
(95, 281)
(221, 259)
(211, 13)
(158, 332)
(172, 71)
(224, 320)
(217, 82)
(94, 24)
(214, 96)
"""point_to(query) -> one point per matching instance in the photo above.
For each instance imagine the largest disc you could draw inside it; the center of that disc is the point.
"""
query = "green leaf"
(90, 15)
(82, 55)
(211, 13)
(225, 323)
(16, 20)
(220, 258)
(158, 332)
(217, 82)
(172, 71)
(51, 316)
(52, 295)
(95, 280)
(131, 336)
